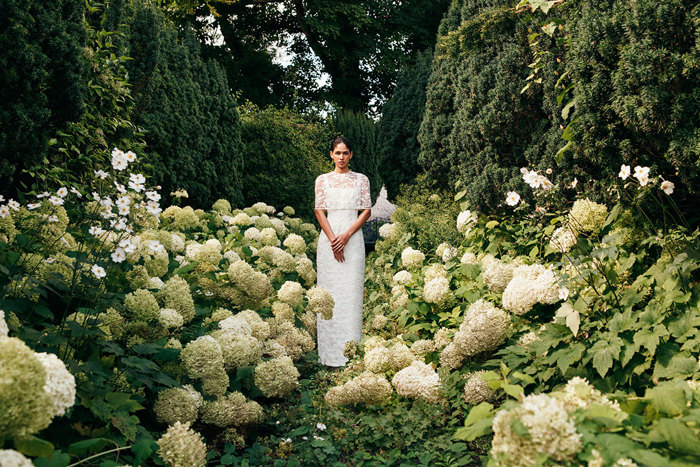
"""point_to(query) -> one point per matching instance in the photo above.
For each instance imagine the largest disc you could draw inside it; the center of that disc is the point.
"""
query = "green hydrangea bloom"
(277, 377)
(185, 219)
(176, 294)
(182, 447)
(222, 206)
(177, 405)
(232, 410)
(142, 304)
(24, 405)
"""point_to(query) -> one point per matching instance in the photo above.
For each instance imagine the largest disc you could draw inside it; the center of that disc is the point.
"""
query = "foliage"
(184, 104)
(509, 88)
(362, 133)
(42, 84)
(399, 125)
(283, 151)
(360, 44)
(97, 279)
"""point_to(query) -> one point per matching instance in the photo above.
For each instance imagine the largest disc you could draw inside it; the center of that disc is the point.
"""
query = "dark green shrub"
(362, 133)
(42, 83)
(283, 154)
(399, 125)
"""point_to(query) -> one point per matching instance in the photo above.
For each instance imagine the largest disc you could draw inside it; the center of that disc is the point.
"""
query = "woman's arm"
(339, 242)
(326, 227)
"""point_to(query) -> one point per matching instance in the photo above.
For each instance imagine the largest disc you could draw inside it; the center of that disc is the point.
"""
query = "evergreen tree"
(41, 81)
(362, 133)
(400, 123)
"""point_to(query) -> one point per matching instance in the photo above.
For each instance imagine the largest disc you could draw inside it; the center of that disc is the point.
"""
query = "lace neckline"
(340, 173)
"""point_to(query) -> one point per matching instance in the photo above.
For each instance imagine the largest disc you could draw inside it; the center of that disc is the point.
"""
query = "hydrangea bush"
(173, 320)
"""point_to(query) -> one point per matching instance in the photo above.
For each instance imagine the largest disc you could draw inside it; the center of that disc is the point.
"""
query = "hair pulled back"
(341, 139)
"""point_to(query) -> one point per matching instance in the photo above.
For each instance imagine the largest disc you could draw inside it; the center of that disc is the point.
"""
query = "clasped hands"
(338, 246)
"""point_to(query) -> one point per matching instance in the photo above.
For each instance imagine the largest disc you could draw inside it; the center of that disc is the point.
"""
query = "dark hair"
(341, 139)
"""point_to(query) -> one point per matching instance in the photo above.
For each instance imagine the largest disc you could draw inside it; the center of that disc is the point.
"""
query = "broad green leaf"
(679, 436)
(86, 446)
(520, 429)
(567, 108)
(604, 353)
(646, 457)
(647, 338)
(549, 28)
(34, 447)
(679, 365)
(479, 412)
(513, 390)
(491, 224)
(572, 317)
(667, 398)
(470, 433)
(566, 356)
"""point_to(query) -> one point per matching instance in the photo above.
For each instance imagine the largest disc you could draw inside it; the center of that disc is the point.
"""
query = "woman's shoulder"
(362, 176)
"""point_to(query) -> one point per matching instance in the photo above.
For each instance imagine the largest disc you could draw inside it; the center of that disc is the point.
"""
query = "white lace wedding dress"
(341, 195)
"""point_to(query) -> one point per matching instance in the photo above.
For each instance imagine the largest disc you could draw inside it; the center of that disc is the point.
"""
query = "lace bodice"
(348, 190)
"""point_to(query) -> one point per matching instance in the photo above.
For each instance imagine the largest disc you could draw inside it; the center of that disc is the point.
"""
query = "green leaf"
(549, 28)
(567, 108)
(679, 436)
(520, 429)
(568, 355)
(513, 390)
(82, 448)
(667, 398)
(647, 338)
(604, 353)
(646, 457)
(572, 316)
(557, 156)
(470, 433)
(34, 447)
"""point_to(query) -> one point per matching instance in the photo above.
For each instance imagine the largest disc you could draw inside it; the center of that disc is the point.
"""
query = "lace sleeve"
(320, 193)
(365, 199)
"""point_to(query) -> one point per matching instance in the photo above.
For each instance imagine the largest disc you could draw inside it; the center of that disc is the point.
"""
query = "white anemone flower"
(98, 271)
(119, 255)
(96, 230)
(130, 156)
(75, 191)
(512, 199)
(4, 210)
(667, 187)
(62, 192)
(32, 206)
(101, 174)
(56, 201)
(625, 171)
(14, 205)
(53, 218)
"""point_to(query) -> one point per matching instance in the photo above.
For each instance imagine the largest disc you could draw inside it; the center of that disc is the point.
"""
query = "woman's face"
(341, 156)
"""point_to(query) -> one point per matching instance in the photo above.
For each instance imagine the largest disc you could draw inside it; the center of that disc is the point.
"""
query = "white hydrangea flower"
(291, 293)
(418, 380)
(530, 285)
(386, 230)
(550, 432)
(562, 239)
(60, 384)
(465, 221)
(402, 277)
(169, 318)
(12, 458)
(496, 273)
(437, 290)
(236, 324)
(4, 329)
(252, 234)
(469, 258)
(412, 258)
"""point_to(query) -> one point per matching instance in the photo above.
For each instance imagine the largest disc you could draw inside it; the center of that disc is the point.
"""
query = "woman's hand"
(339, 242)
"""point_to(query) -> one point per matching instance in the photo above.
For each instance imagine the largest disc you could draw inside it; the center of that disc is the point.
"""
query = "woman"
(340, 255)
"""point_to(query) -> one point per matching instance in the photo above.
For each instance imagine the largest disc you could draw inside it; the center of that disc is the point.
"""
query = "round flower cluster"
(562, 239)
(422, 347)
(12, 458)
(530, 285)
(176, 295)
(549, 432)
(277, 377)
(449, 253)
(252, 234)
(528, 338)
(400, 356)
(367, 388)
(442, 338)
(587, 216)
(293, 340)
(377, 359)
(268, 236)
(178, 405)
(185, 219)
(203, 359)
(402, 277)
(436, 290)
(239, 350)
(399, 297)
(142, 305)
(579, 394)
(305, 269)
(235, 325)
(241, 219)
(465, 221)
(28, 387)
(295, 243)
(254, 284)
(221, 206)
(169, 318)
(379, 321)
(181, 446)
(418, 380)
(412, 259)
(232, 410)
(386, 230)
(484, 328)
(59, 383)
(291, 293)
(320, 302)
(259, 328)
(469, 258)
(476, 390)
(496, 273)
